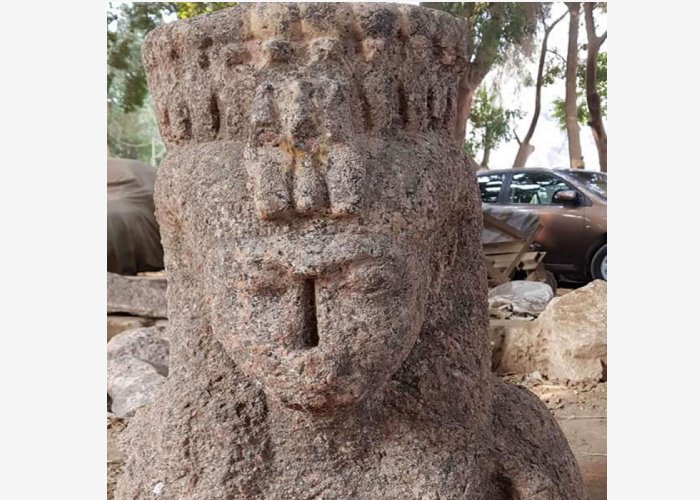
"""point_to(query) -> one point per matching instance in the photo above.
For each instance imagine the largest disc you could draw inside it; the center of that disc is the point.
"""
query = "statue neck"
(349, 432)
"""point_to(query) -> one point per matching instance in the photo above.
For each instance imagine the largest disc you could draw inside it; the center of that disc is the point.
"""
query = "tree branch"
(549, 28)
(557, 54)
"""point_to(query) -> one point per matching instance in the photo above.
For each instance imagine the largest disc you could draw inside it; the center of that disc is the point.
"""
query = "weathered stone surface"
(568, 341)
(322, 237)
(118, 324)
(137, 364)
(137, 295)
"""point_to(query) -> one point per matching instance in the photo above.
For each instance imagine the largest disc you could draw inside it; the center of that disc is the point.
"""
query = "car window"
(534, 188)
(596, 181)
(490, 187)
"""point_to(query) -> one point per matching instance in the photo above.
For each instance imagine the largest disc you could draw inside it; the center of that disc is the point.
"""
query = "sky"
(551, 145)
(550, 142)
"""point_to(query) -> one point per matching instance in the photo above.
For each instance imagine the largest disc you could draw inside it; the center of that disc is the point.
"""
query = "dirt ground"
(115, 459)
(580, 410)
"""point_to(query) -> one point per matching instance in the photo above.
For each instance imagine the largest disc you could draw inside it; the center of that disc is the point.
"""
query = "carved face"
(321, 309)
(321, 320)
(306, 170)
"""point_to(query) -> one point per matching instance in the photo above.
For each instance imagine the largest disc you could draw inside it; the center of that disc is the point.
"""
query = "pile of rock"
(567, 341)
(138, 345)
(135, 302)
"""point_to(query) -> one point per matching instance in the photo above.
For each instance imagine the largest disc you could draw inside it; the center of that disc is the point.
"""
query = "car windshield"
(596, 181)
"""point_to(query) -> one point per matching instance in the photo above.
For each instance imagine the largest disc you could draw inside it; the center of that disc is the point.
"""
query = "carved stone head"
(310, 179)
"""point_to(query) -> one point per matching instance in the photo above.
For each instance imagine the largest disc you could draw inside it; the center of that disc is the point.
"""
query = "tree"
(525, 148)
(496, 30)
(132, 131)
(570, 107)
(127, 26)
(135, 135)
(491, 124)
(593, 97)
(554, 72)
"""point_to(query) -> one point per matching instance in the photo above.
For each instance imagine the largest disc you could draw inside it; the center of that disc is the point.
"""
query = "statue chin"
(326, 394)
(319, 402)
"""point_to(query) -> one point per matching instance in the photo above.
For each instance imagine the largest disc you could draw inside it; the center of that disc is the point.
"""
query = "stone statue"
(322, 236)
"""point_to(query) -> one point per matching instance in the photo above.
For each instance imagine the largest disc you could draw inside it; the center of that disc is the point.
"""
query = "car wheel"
(599, 264)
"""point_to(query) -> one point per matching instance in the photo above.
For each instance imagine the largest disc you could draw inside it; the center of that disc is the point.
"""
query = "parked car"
(572, 207)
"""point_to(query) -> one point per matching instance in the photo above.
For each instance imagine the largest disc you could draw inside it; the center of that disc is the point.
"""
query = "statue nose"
(309, 321)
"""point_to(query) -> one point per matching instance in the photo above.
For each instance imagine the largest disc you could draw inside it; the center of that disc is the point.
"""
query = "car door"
(562, 223)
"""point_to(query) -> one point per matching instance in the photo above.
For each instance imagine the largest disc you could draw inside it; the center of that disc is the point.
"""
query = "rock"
(137, 364)
(568, 341)
(322, 232)
(519, 298)
(131, 383)
(137, 295)
(147, 344)
(118, 324)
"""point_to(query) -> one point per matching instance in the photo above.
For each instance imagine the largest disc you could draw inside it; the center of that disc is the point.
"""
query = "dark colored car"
(572, 207)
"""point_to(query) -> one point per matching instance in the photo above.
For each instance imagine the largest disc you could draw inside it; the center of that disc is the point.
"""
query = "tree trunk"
(470, 81)
(485, 159)
(592, 96)
(526, 149)
(572, 127)
(524, 152)
(465, 97)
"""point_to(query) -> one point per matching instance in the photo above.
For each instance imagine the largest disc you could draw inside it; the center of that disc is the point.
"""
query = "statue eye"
(270, 289)
(374, 283)
(263, 286)
(263, 280)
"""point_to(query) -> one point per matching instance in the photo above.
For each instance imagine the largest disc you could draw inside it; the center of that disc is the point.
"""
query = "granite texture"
(137, 364)
(568, 341)
(137, 295)
(327, 297)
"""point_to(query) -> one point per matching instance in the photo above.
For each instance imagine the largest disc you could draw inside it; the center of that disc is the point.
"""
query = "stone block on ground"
(137, 295)
(568, 341)
(117, 324)
(137, 364)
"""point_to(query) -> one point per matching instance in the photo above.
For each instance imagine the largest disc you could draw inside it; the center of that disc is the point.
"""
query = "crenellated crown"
(329, 69)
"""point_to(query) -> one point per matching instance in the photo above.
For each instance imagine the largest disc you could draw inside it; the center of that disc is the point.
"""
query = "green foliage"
(489, 123)
(132, 131)
(495, 28)
(559, 110)
(127, 25)
(134, 134)
(186, 10)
